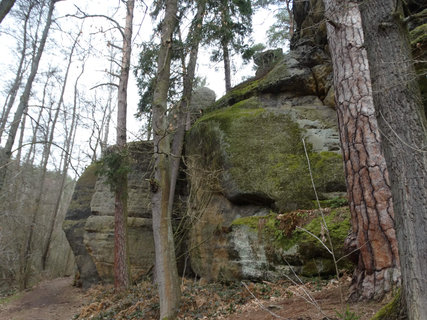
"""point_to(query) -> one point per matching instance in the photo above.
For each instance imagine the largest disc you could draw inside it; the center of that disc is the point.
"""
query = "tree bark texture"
(403, 125)
(166, 269)
(367, 179)
(121, 256)
(25, 97)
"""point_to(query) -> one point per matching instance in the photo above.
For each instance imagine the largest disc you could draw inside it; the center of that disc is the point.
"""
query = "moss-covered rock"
(260, 154)
(294, 238)
(394, 310)
(287, 76)
(268, 247)
(247, 159)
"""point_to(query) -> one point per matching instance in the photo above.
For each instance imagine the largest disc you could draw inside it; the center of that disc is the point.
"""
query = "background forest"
(110, 132)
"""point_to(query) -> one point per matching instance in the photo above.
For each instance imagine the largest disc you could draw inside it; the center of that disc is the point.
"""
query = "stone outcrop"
(89, 223)
(74, 223)
(246, 158)
(246, 168)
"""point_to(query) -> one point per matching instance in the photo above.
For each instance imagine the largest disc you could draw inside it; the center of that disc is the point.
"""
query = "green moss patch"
(295, 235)
(394, 310)
(261, 152)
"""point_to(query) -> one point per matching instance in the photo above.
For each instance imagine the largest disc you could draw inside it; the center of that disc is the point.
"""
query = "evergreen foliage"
(114, 166)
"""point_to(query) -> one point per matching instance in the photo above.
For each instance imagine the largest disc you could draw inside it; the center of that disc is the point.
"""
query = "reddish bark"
(367, 178)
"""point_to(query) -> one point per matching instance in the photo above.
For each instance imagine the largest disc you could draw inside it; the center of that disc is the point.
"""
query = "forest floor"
(50, 300)
(59, 300)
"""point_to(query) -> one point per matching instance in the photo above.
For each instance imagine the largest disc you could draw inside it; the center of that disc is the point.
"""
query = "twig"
(314, 236)
(331, 251)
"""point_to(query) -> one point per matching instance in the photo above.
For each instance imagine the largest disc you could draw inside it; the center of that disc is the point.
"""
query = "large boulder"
(248, 159)
(89, 223)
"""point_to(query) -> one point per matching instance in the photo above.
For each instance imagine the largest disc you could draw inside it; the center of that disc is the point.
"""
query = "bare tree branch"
(85, 15)
(105, 84)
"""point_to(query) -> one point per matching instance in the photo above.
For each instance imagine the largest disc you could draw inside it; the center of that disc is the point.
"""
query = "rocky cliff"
(245, 168)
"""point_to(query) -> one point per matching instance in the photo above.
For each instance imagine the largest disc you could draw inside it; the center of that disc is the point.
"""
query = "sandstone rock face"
(89, 224)
(99, 240)
(246, 158)
(73, 226)
(245, 164)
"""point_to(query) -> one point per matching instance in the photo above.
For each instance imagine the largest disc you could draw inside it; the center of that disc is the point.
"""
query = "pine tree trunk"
(368, 187)
(121, 256)
(25, 97)
(166, 269)
(404, 127)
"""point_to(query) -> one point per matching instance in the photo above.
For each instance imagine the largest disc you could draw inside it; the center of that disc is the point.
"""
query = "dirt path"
(51, 300)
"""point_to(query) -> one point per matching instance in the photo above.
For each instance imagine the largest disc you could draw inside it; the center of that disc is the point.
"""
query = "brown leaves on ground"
(244, 300)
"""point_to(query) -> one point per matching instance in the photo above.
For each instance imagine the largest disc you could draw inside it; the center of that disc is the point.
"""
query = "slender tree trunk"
(121, 257)
(29, 159)
(35, 211)
(366, 172)
(404, 128)
(227, 68)
(69, 142)
(24, 97)
(19, 74)
(21, 141)
(178, 138)
(31, 153)
(46, 154)
(166, 270)
(5, 6)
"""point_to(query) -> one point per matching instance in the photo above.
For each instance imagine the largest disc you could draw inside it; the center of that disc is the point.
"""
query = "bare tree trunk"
(166, 270)
(5, 6)
(227, 68)
(24, 97)
(21, 141)
(46, 154)
(35, 211)
(19, 74)
(108, 109)
(366, 172)
(121, 257)
(178, 138)
(69, 143)
(31, 153)
(404, 127)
